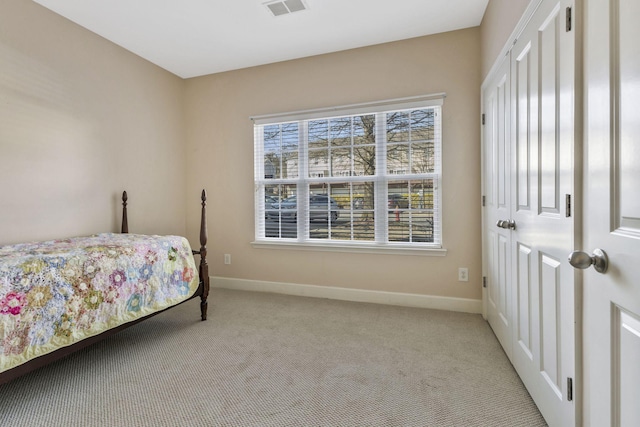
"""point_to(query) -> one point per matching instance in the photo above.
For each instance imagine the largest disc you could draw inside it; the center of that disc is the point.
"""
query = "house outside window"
(362, 176)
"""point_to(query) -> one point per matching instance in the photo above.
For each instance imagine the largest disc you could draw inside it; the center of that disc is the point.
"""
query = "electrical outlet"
(227, 259)
(463, 274)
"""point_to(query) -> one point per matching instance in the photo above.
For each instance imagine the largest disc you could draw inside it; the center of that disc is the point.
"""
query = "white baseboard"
(378, 297)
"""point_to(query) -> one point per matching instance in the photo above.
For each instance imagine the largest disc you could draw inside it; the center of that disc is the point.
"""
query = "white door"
(496, 169)
(612, 213)
(543, 88)
(527, 266)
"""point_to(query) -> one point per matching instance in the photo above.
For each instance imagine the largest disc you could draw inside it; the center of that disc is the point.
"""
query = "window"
(362, 176)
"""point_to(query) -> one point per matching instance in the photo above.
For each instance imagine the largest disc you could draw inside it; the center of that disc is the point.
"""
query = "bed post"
(204, 267)
(125, 223)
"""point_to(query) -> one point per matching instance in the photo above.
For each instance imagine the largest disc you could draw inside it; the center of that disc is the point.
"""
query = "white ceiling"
(196, 37)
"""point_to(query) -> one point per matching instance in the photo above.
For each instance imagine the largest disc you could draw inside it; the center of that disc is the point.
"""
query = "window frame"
(381, 179)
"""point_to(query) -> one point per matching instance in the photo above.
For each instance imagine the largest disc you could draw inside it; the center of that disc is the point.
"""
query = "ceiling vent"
(284, 7)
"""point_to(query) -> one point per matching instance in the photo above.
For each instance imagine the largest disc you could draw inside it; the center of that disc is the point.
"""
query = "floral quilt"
(55, 293)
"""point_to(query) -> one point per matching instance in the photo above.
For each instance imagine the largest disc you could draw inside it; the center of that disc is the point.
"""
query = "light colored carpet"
(277, 360)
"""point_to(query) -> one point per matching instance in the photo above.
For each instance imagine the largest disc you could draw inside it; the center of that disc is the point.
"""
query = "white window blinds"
(367, 174)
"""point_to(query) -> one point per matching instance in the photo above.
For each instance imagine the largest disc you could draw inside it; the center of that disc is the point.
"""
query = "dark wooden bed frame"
(202, 292)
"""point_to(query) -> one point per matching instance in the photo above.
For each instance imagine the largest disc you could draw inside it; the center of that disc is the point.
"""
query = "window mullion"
(437, 196)
(303, 184)
(381, 214)
(259, 176)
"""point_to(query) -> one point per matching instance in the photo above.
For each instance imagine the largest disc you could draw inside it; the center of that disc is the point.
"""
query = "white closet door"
(496, 171)
(543, 86)
(529, 165)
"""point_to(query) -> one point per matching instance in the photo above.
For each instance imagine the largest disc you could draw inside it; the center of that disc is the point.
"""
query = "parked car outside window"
(269, 200)
(321, 207)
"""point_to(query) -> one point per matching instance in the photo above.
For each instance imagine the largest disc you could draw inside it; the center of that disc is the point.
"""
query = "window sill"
(388, 249)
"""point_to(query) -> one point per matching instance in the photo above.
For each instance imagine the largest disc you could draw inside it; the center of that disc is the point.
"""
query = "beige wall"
(220, 158)
(499, 21)
(80, 120)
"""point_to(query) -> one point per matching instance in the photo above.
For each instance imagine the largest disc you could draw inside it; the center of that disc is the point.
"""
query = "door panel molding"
(625, 65)
(522, 74)
(626, 370)
(525, 333)
(550, 333)
(549, 135)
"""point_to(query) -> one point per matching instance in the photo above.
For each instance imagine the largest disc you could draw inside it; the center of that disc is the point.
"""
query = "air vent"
(281, 7)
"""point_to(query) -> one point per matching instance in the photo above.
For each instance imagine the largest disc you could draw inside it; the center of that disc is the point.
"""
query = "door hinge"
(568, 205)
(569, 389)
(484, 281)
(484, 200)
(568, 19)
(483, 118)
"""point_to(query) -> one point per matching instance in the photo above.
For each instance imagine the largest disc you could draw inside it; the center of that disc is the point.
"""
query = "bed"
(59, 296)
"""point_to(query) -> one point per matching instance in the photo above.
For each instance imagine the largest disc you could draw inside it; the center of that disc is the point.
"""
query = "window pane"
(422, 125)
(271, 166)
(283, 165)
(398, 195)
(318, 163)
(361, 212)
(399, 217)
(340, 131)
(411, 211)
(281, 151)
(364, 226)
(421, 227)
(323, 211)
(364, 129)
(318, 133)
(342, 211)
(289, 165)
(280, 211)
(271, 136)
(422, 192)
(341, 162)
(412, 227)
(397, 159)
(422, 158)
(364, 161)
(272, 196)
(319, 203)
(399, 230)
(364, 196)
(398, 126)
(290, 137)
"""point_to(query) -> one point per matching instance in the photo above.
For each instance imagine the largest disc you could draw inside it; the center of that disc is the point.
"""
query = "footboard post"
(204, 267)
(125, 222)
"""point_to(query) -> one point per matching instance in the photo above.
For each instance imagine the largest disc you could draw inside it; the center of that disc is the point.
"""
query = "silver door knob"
(582, 260)
(506, 224)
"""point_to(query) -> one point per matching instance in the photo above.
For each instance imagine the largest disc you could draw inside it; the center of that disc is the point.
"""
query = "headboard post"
(204, 267)
(125, 222)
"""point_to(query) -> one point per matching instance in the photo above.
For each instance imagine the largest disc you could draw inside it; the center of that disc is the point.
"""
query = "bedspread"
(55, 293)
